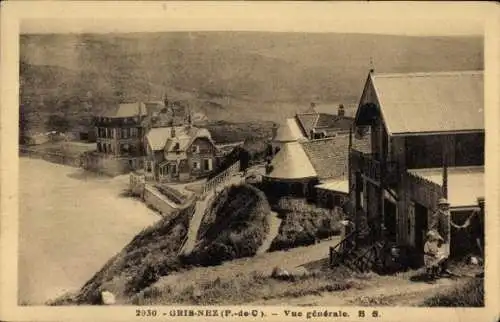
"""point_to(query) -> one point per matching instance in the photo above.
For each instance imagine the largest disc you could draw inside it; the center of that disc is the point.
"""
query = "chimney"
(165, 100)
(445, 180)
(172, 129)
(274, 130)
(341, 111)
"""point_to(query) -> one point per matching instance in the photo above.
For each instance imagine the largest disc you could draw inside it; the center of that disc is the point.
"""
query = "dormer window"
(176, 147)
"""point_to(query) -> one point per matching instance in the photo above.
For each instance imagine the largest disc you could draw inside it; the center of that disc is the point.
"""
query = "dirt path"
(195, 222)
(274, 227)
(397, 290)
(263, 263)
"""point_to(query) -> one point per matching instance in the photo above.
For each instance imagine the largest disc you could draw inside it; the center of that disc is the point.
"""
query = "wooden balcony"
(374, 169)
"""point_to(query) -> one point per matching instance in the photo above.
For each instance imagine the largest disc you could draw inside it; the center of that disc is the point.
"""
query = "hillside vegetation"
(233, 227)
(304, 223)
(232, 76)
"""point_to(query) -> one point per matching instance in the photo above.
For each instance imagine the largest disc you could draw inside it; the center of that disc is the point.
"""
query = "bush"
(471, 294)
(233, 227)
(304, 223)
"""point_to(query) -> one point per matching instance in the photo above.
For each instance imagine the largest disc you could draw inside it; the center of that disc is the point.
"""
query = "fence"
(54, 157)
(220, 179)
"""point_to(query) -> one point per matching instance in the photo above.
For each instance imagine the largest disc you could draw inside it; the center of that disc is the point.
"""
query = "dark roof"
(329, 156)
(332, 109)
(430, 102)
(307, 121)
(333, 122)
(122, 110)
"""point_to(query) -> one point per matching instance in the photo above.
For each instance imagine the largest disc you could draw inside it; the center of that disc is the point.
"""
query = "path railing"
(220, 179)
(339, 251)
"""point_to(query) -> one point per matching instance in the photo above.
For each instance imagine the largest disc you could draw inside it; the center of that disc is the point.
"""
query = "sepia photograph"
(164, 165)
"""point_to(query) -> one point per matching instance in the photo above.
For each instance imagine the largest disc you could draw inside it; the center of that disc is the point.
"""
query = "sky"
(416, 18)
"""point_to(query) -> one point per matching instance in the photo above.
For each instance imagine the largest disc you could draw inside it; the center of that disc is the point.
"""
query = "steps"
(201, 206)
(274, 227)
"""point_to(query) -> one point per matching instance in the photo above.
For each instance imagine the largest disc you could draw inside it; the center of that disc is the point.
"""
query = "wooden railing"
(368, 258)
(373, 168)
(220, 179)
(339, 251)
(366, 163)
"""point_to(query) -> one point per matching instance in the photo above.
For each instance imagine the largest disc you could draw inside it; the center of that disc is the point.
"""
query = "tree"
(58, 123)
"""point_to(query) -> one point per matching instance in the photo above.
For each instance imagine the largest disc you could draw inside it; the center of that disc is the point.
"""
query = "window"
(125, 148)
(125, 133)
(149, 166)
(176, 147)
(99, 148)
(161, 171)
(110, 148)
(207, 164)
(134, 132)
(195, 149)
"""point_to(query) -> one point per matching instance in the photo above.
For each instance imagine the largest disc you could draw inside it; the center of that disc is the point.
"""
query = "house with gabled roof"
(318, 123)
(427, 142)
(180, 153)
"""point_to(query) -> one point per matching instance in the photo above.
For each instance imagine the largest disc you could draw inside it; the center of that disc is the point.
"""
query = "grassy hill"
(231, 76)
(233, 227)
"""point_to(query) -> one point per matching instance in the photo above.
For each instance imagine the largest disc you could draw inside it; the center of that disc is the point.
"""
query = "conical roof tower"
(291, 163)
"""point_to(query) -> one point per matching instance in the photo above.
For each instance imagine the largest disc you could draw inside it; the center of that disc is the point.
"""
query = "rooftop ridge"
(426, 74)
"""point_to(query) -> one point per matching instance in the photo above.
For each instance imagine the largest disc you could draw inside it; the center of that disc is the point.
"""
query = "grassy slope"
(227, 234)
(236, 76)
(471, 294)
(247, 288)
(234, 227)
(303, 223)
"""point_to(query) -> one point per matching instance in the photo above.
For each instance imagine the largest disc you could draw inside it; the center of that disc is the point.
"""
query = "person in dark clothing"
(441, 223)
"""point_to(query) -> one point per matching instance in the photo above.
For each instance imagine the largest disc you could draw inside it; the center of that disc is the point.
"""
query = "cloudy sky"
(424, 18)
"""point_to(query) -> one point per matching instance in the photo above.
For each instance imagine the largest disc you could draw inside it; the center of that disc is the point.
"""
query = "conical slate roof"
(291, 162)
(288, 132)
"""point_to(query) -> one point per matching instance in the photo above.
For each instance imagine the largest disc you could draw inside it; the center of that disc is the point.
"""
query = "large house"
(154, 136)
(119, 136)
(180, 153)
(427, 142)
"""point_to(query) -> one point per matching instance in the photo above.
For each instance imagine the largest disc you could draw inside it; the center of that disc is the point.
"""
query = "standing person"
(432, 253)
(441, 223)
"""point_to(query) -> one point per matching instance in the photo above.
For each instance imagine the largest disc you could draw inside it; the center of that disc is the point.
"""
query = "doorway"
(420, 225)
(390, 219)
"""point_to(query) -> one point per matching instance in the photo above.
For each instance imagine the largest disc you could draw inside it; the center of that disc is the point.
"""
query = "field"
(229, 76)
(70, 224)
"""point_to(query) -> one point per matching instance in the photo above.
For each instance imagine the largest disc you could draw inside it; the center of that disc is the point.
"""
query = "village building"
(314, 169)
(427, 142)
(322, 121)
(119, 136)
(180, 154)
